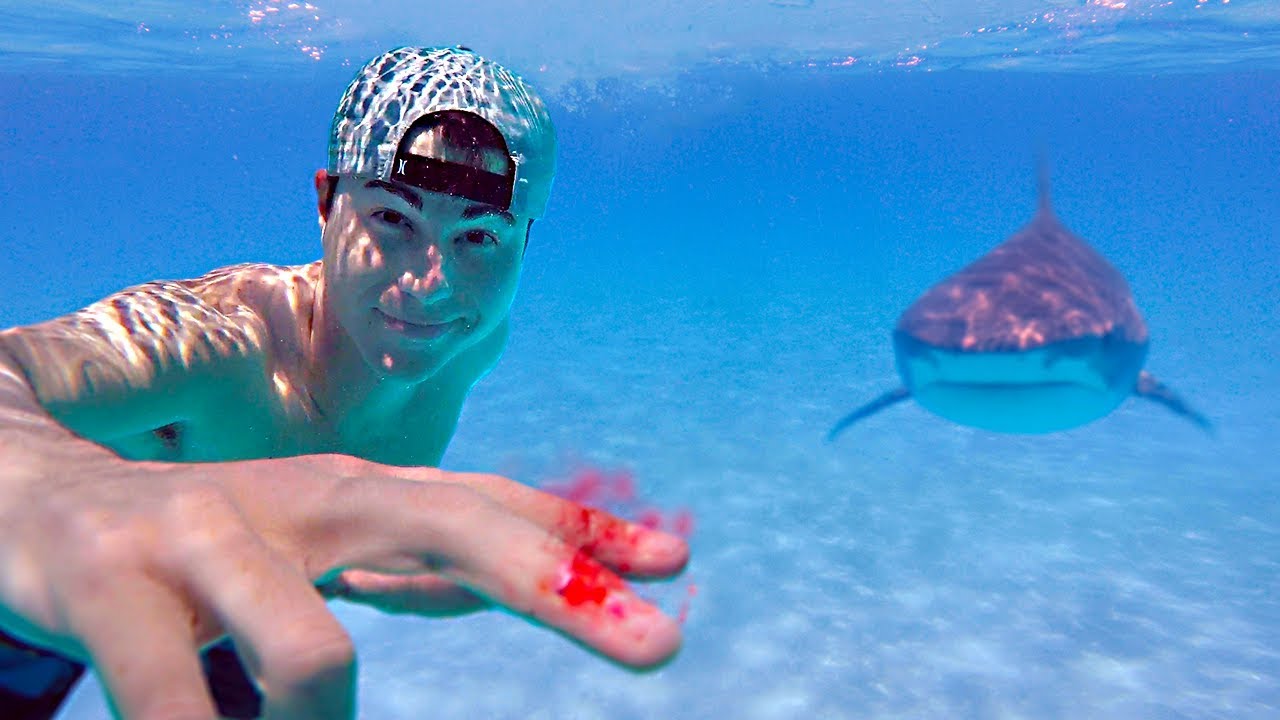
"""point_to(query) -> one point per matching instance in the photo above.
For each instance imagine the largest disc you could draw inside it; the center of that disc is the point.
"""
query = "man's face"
(416, 277)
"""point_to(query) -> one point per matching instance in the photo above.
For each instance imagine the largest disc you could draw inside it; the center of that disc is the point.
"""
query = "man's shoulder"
(232, 310)
(245, 282)
(275, 301)
(164, 338)
(257, 288)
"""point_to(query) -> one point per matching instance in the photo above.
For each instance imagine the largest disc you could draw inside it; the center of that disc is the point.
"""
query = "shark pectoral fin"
(893, 397)
(1152, 389)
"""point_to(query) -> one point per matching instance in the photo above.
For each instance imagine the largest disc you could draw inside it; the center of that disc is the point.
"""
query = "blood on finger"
(584, 582)
(589, 587)
(588, 528)
(615, 492)
(587, 582)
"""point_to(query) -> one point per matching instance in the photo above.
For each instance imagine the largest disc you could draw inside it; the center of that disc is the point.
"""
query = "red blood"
(593, 487)
(624, 489)
(651, 519)
(580, 519)
(682, 525)
(688, 600)
(615, 493)
(588, 528)
(586, 487)
(588, 582)
(587, 585)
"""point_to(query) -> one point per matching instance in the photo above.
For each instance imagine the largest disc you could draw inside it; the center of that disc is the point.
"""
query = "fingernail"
(660, 544)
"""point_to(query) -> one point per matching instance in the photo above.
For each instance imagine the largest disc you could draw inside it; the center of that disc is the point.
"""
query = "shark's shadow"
(1039, 335)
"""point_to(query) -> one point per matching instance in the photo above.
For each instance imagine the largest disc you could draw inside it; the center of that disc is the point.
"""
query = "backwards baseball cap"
(396, 90)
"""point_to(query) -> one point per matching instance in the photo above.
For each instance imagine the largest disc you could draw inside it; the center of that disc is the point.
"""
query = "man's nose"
(427, 281)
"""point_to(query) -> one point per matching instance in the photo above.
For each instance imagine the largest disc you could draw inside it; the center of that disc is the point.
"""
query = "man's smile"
(416, 330)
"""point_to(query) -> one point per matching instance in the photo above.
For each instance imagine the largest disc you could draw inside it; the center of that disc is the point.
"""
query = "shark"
(1039, 335)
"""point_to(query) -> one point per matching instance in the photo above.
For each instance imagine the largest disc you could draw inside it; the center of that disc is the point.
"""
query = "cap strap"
(451, 178)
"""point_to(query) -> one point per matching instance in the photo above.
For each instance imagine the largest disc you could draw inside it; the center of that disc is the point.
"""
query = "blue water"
(714, 284)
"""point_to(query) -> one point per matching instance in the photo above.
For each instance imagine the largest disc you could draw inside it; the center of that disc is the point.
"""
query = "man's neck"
(356, 402)
(383, 418)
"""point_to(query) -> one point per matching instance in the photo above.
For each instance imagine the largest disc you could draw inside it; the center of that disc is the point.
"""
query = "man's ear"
(326, 185)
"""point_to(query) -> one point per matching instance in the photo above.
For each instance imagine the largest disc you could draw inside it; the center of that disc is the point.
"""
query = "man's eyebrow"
(403, 193)
(480, 210)
(471, 212)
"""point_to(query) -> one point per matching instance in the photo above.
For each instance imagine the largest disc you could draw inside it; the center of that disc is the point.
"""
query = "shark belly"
(1054, 387)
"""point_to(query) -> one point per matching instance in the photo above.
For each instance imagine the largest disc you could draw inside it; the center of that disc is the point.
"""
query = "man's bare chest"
(255, 424)
(237, 424)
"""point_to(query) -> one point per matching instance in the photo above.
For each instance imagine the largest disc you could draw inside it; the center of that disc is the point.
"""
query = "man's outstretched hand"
(134, 566)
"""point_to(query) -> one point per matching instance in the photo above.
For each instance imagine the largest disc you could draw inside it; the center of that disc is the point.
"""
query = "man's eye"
(391, 217)
(480, 237)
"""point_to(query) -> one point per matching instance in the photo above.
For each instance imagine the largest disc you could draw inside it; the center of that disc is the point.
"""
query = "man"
(186, 461)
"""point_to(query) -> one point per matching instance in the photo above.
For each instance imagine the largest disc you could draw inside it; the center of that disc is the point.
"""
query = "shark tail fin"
(893, 397)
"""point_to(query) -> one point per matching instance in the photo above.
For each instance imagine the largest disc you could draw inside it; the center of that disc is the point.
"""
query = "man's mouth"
(415, 330)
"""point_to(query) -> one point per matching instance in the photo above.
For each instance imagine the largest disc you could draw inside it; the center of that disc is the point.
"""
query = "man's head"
(439, 160)
(395, 90)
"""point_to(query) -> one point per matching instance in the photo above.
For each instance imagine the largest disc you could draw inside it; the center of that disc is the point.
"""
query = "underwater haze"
(748, 195)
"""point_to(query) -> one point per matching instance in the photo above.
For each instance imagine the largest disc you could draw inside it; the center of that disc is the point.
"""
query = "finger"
(626, 547)
(298, 653)
(139, 637)
(563, 587)
(428, 595)
(465, 536)
(629, 548)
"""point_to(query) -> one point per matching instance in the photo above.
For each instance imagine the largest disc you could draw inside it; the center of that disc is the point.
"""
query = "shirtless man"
(184, 463)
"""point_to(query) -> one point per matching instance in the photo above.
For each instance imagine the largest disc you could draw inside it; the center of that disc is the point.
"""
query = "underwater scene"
(947, 332)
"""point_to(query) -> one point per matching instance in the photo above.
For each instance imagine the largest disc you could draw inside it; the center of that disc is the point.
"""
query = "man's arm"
(135, 361)
(134, 565)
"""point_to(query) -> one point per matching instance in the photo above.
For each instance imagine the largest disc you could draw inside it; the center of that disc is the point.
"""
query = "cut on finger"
(627, 547)
(566, 588)
(469, 538)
